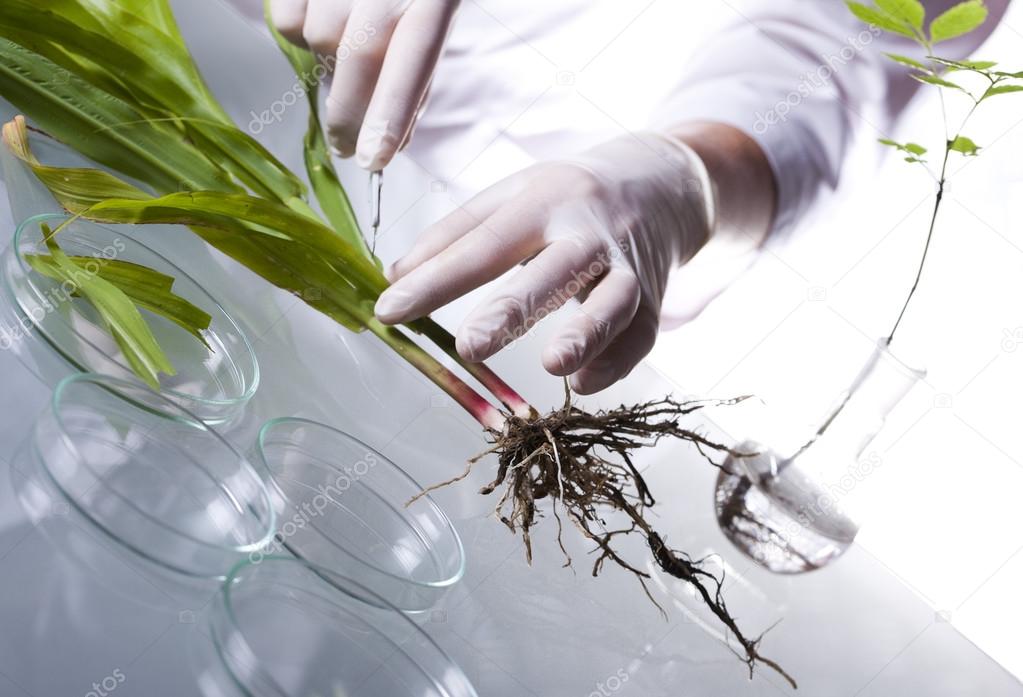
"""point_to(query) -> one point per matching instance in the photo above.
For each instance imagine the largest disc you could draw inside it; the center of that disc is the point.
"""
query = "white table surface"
(850, 629)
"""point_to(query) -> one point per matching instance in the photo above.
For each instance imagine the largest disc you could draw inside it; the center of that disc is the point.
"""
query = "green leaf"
(163, 82)
(913, 150)
(102, 127)
(1001, 89)
(319, 166)
(909, 11)
(964, 145)
(935, 80)
(147, 288)
(880, 19)
(318, 278)
(958, 20)
(905, 60)
(979, 66)
(122, 319)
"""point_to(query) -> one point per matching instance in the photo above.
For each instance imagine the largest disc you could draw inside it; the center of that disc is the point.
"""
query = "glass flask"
(787, 510)
(55, 332)
(344, 506)
(170, 490)
(281, 627)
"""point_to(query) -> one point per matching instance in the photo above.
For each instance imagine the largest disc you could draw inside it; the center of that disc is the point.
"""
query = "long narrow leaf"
(319, 166)
(119, 313)
(147, 288)
(163, 81)
(102, 127)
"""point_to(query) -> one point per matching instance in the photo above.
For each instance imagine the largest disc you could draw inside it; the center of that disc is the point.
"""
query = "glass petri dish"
(344, 506)
(171, 490)
(283, 627)
(55, 334)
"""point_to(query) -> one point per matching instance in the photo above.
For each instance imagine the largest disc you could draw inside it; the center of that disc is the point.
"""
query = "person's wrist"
(741, 177)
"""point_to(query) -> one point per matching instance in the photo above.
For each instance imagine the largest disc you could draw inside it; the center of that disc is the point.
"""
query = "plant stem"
(486, 377)
(927, 244)
(489, 416)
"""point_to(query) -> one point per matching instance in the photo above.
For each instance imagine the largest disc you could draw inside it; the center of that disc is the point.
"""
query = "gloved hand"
(606, 227)
(383, 54)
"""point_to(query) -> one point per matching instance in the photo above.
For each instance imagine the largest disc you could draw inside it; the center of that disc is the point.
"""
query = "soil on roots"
(582, 462)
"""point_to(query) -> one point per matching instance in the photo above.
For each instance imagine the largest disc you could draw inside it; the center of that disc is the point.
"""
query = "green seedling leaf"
(907, 61)
(995, 90)
(122, 319)
(958, 20)
(935, 80)
(909, 11)
(880, 19)
(913, 150)
(964, 145)
(979, 66)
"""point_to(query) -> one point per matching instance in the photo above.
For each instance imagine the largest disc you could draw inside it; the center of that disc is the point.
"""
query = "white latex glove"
(383, 54)
(607, 227)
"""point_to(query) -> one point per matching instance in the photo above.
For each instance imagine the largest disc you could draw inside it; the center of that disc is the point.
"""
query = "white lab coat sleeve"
(808, 82)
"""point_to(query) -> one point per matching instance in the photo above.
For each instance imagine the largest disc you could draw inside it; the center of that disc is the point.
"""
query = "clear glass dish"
(285, 628)
(54, 333)
(169, 489)
(344, 506)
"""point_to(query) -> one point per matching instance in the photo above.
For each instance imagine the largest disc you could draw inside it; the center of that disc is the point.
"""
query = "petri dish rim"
(261, 441)
(185, 397)
(337, 582)
(184, 416)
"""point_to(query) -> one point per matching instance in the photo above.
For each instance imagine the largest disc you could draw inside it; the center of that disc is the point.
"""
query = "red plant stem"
(489, 416)
(486, 377)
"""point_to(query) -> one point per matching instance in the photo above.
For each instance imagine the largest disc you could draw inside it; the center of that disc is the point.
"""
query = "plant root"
(583, 463)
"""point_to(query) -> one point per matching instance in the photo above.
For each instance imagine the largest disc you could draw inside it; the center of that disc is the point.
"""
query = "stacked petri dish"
(282, 627)
(317, 547)
(148, 474)
(345, 507)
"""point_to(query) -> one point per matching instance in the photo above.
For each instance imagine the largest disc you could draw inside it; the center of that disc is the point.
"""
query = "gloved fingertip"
(593, 378)
(474, 344)
(560, 359)
(374, 150)
(339, 148)
(393, 306)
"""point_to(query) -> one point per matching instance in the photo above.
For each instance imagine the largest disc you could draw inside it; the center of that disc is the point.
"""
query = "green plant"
(114, 79)
(907, 18)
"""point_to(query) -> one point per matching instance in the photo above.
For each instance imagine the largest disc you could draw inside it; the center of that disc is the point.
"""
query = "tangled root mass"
(583, 462)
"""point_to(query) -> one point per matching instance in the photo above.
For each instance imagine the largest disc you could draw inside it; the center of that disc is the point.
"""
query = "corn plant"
(114, 80)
